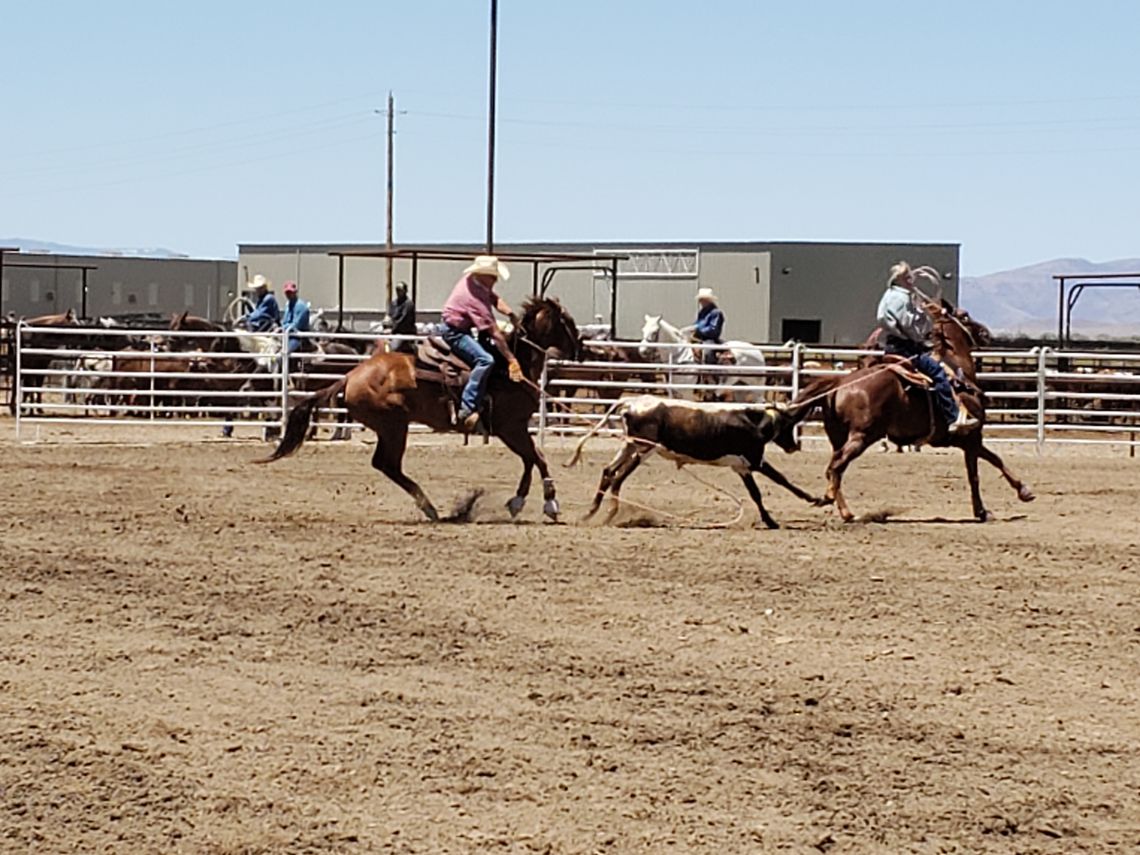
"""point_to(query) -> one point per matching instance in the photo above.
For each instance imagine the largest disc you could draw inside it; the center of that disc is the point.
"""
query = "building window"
(188, 302)
(152, 294)
(34, 291)
(116, 293)
(803, 331)
(655, 263)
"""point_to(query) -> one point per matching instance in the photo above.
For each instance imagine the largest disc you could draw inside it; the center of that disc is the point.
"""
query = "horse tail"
(593, 431)
(297, 424)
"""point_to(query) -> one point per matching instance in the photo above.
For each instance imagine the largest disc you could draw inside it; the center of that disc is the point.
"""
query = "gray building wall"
(837, 284)
(840, 284)
(117, 286)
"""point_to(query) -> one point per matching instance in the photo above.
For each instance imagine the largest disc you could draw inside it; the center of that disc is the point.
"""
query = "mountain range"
(49, 248)
(1024, 300)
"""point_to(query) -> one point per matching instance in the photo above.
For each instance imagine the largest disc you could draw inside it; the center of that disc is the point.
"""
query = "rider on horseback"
(470, 309)
(266, 314)
(709, 326)
(908, 327)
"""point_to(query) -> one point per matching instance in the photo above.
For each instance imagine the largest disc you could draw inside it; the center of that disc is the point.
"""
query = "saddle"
(437, 363)
(900, 365)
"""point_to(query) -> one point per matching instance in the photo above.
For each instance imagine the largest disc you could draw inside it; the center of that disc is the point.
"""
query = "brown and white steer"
(688, 432)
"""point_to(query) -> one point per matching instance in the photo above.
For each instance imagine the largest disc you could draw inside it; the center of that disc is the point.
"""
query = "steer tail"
(297, 424)
(593, 431)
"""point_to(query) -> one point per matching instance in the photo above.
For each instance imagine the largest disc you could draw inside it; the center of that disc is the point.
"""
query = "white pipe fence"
(74, 375)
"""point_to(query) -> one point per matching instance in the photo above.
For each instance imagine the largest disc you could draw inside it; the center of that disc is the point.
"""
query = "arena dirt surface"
(199, 655)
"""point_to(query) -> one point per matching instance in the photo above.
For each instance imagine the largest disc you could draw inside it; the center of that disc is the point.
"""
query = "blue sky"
(1012, 127)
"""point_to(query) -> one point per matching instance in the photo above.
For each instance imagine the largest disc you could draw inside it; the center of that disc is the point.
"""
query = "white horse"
(745, 355)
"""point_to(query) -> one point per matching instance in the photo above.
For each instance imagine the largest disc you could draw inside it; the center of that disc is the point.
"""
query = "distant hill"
(1025, 300)
(49, 248)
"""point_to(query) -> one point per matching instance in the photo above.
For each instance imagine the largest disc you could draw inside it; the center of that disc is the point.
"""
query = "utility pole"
(388, 237)
(491, 132)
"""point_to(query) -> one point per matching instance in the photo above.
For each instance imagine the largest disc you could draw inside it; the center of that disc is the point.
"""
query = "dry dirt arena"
(201, 655)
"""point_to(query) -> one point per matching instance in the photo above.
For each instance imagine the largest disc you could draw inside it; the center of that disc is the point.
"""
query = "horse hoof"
(515, 505)
(431, 513)
(985, 517)
(1025, 494)
(551, 509)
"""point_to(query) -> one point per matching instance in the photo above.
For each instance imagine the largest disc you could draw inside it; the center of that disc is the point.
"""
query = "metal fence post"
(542, 395)
(152, 404)
(797, 359)
(284, 376)
(1041, 357)
(17, 380)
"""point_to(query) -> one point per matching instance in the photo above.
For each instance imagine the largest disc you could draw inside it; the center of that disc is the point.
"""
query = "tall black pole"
(388, 220)
(491, 131)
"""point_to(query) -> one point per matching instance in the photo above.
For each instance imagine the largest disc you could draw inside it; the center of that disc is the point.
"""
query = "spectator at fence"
(402, 320)
(295, 317)
(266, 314)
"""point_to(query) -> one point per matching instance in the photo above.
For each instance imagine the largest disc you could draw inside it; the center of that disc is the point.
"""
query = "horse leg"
(391, 442)
(980, 512)
(754, 492)
(769, 471)
(855, 445)
(517, 438)
(1023, 491)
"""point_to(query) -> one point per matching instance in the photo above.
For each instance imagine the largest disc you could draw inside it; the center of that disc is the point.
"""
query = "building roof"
(579, 246)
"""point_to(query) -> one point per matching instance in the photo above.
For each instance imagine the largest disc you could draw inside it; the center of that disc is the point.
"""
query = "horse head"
(650, 334)
(546, 323)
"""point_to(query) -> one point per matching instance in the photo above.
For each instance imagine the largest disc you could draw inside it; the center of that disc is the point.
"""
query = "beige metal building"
(44, 283)
(770, 292)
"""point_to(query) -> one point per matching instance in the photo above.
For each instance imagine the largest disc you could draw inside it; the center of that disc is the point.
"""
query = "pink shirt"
(470, 306)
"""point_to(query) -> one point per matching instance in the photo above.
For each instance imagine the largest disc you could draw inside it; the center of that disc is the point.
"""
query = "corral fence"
(62, 375)
(1039, 396)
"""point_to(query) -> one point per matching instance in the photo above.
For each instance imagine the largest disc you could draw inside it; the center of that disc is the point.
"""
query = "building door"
(804, 331)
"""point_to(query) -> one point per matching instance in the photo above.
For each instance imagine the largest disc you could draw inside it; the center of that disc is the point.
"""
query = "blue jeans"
(468, 348)
(943, 396)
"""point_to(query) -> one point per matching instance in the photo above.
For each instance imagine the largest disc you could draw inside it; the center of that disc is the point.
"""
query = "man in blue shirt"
(907, 326)
(710, 324)
(295, 318)
(266, 314)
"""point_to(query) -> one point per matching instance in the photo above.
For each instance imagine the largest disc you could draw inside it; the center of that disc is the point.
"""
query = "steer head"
(783, 427)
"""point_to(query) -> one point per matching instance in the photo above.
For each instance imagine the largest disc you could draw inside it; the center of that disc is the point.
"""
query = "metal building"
(770, 292)
(34, 284)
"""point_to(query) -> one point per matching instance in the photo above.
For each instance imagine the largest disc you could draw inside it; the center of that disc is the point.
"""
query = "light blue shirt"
(901, 316)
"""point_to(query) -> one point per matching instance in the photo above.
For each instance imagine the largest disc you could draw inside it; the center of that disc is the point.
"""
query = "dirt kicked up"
(200, 655)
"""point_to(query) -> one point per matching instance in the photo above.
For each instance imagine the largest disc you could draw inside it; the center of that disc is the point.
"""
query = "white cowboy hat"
(488, 265)
(259, 281)
(706, 294)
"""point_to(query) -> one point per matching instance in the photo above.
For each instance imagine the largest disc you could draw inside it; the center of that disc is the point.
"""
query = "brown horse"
(34, 364)
(874, 402)
(385, 395)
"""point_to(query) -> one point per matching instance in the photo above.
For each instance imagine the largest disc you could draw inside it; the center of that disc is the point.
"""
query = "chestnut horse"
(873, 402)
(385, 395)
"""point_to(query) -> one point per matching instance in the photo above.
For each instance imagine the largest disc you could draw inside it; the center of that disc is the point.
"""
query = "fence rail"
(71, 375)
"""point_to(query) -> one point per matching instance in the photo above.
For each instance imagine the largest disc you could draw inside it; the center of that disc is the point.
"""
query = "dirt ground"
(200, 655)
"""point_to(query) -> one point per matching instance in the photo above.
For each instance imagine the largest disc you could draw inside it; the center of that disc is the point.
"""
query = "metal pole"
(17, 384)
(491, 129)
(613, 298)
(284, 377)
(388, 233)
(1061, 312)
(1041, 355)
(83, 297)
(542, 403)
(340, 294)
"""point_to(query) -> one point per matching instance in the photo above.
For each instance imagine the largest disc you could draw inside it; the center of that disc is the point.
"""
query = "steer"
(701, 433)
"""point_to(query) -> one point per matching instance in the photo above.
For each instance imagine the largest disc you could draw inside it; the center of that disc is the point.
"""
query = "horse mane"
(533, 306)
